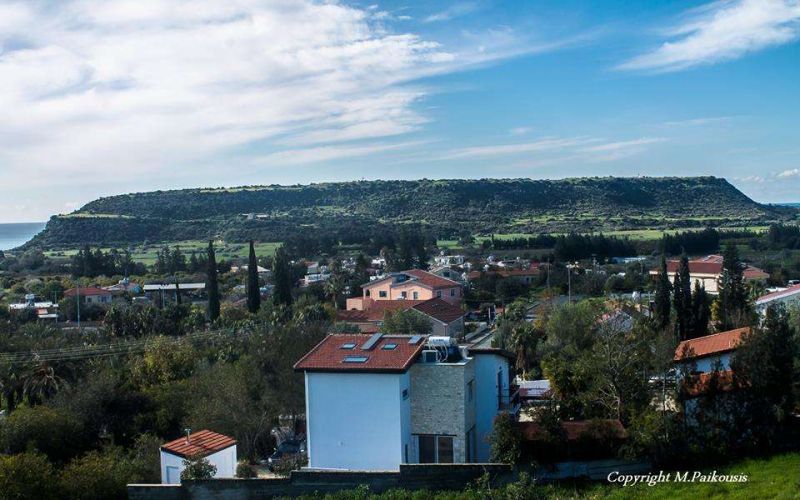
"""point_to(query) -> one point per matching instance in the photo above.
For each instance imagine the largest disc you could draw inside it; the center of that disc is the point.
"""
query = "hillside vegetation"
(447, 208)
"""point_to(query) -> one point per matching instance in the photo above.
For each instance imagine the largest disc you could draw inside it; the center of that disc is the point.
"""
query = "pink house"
(414, 284)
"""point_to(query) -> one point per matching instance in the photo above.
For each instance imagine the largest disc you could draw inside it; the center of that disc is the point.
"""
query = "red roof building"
(447, 318)
(359, 353)
(710, 345)
(90, 295)
(202, 443)
(413, 284)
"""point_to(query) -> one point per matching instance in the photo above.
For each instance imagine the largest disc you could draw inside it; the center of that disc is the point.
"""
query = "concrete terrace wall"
(307, 482)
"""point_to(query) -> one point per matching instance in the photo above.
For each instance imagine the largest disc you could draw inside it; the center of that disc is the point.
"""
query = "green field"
(146, 254)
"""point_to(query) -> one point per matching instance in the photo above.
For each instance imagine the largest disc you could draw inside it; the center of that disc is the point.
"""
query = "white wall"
(486, 407)
(224, 460)
(708, 363)
(357, 421)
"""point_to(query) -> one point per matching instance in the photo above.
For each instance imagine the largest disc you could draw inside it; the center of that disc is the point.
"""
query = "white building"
(218, 449)
(787, 296)
(390, 400)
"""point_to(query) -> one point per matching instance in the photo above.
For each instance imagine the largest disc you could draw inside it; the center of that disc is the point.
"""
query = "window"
(445, 449)
(435, 449)
(439, 293)
(404, 294)
(470, 390)
(405, 394)
(348, 345)
(356, 359)
(452, 292)
(382, 294)
(366, 293)
(415, 295)
(389, 347)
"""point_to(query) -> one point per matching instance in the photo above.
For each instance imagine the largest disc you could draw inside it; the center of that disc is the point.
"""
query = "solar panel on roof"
(415, 339)
(369, 344)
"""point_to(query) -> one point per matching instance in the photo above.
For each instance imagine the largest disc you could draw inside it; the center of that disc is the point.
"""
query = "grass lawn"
(777, 477)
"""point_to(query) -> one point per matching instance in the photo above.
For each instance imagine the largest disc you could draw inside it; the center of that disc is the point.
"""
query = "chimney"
(188, 432)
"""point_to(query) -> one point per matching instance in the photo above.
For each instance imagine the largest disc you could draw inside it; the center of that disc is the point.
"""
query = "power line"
(101, 350)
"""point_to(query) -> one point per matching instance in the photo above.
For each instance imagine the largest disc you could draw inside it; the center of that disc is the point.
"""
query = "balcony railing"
(508, 400)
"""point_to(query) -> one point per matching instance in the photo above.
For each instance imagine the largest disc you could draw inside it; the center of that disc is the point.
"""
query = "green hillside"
(445, 207)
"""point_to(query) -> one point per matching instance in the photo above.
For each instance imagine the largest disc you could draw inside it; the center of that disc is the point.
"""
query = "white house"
(373, 403)
(218, 449)
(705, 354)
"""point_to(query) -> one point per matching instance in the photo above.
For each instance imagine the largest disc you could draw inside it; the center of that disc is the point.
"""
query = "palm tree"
(42, 383)
(10, 387)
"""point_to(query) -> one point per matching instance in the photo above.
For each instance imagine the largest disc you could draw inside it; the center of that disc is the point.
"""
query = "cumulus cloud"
(721, 31)
(125, 88)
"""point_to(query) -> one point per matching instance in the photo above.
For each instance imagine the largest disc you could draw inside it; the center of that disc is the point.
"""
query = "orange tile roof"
(330, 354)
(710, 344)
(419, 277)
(86, 291)
(202, 443)
(788, 292)
(574, 429)
(697, 385)
(435, 308)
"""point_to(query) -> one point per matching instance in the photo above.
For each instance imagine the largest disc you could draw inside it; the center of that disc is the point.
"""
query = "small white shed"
(218, 449)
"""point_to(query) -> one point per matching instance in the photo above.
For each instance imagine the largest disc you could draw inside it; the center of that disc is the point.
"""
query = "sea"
(15, 234)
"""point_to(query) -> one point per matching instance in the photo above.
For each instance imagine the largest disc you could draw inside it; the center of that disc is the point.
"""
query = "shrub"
(27, 475)
(197, 468)
(245, 471)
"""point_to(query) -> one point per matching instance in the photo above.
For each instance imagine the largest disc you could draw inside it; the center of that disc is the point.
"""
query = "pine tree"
(253, 289)
(683, 299)
(282, 277)
(213, 285)
(662, 307)
(178, 299)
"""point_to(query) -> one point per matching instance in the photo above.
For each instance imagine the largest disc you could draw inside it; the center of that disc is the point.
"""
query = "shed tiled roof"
(202, 443)
(330, 354)
(710, 344)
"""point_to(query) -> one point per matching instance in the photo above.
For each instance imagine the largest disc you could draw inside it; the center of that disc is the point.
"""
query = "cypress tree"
(282, 278)
(212, 285)
(178, 299)
(734, 306)
(662, 307)
(701, 311)
(683, 298)
(253, 290)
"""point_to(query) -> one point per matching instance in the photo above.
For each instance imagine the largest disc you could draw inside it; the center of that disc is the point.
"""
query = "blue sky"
(107, 97)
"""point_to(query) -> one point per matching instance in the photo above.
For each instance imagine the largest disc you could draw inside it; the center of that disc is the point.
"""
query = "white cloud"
(721, 31)
(520, 130)
(555, 149)
(116, 90)
(698, 122)
(455, 10)
(793, 172)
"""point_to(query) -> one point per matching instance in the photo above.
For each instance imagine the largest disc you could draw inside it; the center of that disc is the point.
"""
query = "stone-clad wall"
(439, 403)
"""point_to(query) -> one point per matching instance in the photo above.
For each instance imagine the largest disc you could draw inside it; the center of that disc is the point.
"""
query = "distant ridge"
(446, 207)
